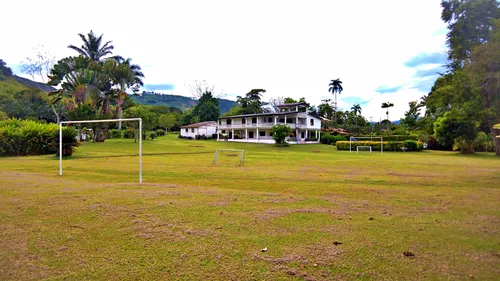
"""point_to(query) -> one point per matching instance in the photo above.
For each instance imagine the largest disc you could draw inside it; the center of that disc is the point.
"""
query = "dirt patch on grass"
(311, 262)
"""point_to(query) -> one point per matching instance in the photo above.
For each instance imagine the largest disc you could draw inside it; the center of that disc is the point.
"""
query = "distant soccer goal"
(102, 121)
(354, 140)
(231, 157)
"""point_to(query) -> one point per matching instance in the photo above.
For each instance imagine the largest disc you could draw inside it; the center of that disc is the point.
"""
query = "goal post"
(355, 139)
(218, 151)
(101, 121)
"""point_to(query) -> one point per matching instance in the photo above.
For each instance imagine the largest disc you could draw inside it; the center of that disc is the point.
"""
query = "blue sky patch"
(387, 90)
(426, 58)
(159, 87)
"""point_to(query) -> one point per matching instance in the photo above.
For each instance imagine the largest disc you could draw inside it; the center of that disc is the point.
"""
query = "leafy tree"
(92, 47)
(483, 71)
(411, 116)
(335, 87)
(169, 120)
(280, 132)
(207, 108)
(325, 109)
(290, 100)
(251, 103)
(4, 69)
(469, 23)
(453, 128)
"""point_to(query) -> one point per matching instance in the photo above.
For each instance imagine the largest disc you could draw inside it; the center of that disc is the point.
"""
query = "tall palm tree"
(92, 47)
(335, 87)
(387, 105)
(124, 75)
(356, 109)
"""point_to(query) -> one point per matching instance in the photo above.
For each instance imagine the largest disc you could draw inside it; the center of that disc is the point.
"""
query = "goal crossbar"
(355, 139)
(102, 121)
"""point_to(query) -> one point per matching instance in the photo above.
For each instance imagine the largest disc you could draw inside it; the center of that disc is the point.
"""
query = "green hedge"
(330, 139)
(399, 138)
(408, 145)
(25, 137)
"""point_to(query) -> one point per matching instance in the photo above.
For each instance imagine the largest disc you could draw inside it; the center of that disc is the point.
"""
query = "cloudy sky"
(386, 50)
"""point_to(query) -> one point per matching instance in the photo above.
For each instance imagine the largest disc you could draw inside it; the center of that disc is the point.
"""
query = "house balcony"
(261, 126)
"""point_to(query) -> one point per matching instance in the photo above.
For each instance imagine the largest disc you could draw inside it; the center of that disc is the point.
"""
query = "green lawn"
(190, 220)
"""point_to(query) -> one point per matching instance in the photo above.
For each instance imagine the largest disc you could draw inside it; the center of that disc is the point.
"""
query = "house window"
(228, 121)
(270, 119)
(186, 130)
(223, 131)
(302, 134)
(243, 120)
(312, 122)
(192, 130)
(250, 135)
(262, 133)
(254, 120)
(282, 120)
(220, 122)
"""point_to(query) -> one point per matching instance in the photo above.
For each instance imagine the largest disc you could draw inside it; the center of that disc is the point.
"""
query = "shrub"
(115, 134)
(280, 132)
(153, 135)
(484, 142)
(129, 133)
(388, 145)
(311, 139)
(32, 138)
(331, 139)
(160, 132)
(410, 145)
(399, 138)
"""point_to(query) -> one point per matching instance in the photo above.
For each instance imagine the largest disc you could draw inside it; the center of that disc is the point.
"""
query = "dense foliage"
(26, 137)
(409, 145)
(280, 132)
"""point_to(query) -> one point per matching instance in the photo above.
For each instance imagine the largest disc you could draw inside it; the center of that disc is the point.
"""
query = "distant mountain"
(182, 102)
(33, 84)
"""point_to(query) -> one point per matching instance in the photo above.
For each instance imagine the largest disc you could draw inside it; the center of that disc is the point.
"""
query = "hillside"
(182, 102)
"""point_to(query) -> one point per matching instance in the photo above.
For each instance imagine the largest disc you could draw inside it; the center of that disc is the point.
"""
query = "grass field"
(321, 214)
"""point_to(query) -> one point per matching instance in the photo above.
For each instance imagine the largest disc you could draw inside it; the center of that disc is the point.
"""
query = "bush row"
(26, 137)
(399, 138)
(129, 133)
(200, 137)
(408, 145)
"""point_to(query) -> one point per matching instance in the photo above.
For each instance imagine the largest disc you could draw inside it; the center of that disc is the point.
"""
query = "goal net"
(101, 121)
(229, 157)
(360, 144)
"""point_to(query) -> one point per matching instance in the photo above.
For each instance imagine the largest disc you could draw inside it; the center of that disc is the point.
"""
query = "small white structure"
(207, 128)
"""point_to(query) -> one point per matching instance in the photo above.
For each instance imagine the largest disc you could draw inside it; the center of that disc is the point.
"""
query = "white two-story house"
(305, 125)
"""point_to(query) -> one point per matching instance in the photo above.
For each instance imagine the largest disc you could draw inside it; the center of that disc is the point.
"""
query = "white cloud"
(289, 48)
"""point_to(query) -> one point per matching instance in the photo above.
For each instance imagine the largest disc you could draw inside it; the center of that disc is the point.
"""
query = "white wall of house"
(204, 130)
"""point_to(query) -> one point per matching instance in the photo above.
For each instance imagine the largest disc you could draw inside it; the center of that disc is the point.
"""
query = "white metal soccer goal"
(229, 152)
(365, 147)
(102, 121)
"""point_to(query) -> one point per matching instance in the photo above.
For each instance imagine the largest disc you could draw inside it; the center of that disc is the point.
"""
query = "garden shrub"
(26, 137)
(399, 138)
(115, 134)
(388, 145)
(129, 133)
(160, 132)
(153, 135)
(331, 139)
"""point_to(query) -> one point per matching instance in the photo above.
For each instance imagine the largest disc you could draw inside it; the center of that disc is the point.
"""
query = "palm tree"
(335, 87)
(387, 105)
(124, 75)
(356, 109)
(92, 47)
